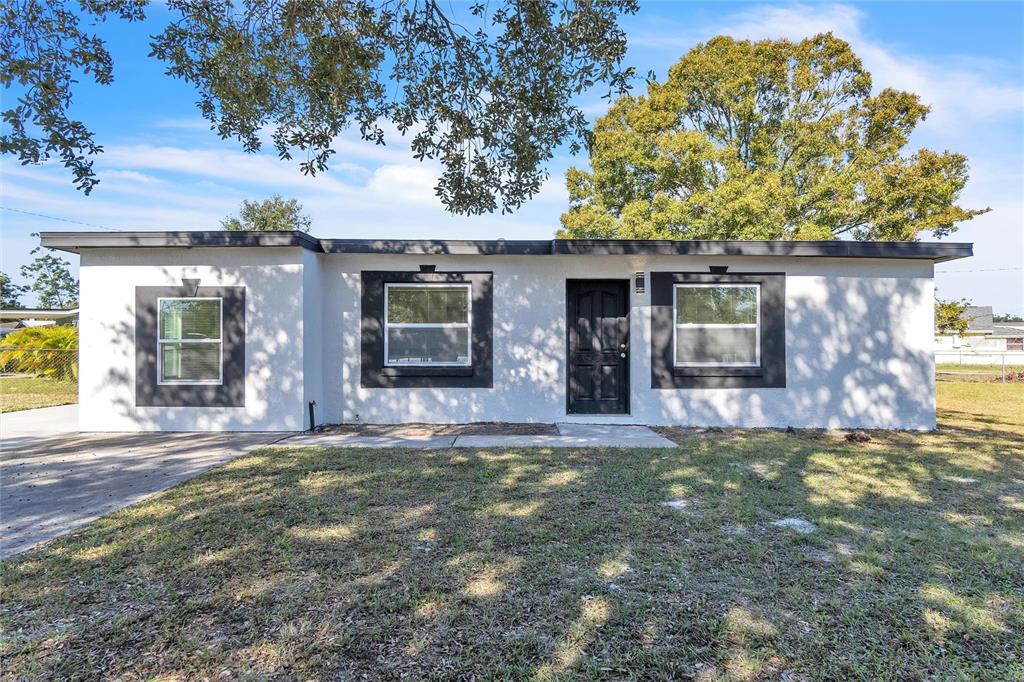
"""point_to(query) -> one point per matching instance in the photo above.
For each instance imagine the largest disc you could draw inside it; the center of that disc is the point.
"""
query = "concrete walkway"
(569, 436)
(26, 425)
(54, 480)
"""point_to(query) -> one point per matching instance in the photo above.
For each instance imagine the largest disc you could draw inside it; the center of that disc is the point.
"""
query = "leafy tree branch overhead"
(489, 94)
(765, 140)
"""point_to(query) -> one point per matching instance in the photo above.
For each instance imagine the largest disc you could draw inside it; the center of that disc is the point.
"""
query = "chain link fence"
(37, 377)
(48, 363)
(979, 366)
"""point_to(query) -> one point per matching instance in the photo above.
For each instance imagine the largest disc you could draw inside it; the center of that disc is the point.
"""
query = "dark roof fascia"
(438, 247)
(934, 251)
(73, 241)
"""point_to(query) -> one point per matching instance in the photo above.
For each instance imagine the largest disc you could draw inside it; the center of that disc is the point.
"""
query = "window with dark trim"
(718, 330)
(426, 329)
(189, 343)
(190, 346)
(716, 325)
(427, 324)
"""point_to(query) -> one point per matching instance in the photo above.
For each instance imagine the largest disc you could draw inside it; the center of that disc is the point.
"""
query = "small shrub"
(50, 352)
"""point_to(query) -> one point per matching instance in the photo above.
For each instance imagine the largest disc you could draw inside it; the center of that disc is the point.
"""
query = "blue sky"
(163, 168)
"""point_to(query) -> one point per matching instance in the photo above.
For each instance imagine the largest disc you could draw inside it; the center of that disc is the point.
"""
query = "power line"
(63, 220)
(1016, 267)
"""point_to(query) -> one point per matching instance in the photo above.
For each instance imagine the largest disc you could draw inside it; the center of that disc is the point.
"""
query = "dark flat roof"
(934, 251)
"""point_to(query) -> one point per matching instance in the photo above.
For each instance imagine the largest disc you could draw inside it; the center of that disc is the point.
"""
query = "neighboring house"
(18, 318)
(8, 327)
(983, 333)
(242, 331)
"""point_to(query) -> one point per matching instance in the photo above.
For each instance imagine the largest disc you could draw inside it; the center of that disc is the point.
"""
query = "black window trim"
(771, 373)
(375, 373)
(149, 391)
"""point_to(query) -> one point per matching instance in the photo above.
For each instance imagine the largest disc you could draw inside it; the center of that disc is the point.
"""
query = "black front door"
(598, 323)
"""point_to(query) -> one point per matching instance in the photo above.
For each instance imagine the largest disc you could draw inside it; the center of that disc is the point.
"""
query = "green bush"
(42, 351)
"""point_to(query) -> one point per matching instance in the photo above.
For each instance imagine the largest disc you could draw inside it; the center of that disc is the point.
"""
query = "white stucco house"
(243, 331)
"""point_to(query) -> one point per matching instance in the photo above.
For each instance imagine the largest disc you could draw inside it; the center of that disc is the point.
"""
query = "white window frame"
(756, 326)
(160, 343)
(468, 324)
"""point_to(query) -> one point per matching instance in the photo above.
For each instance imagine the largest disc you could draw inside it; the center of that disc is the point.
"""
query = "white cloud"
(183, 123)
(794, 22)
(131, 176)
(405, 183)
(260, 169)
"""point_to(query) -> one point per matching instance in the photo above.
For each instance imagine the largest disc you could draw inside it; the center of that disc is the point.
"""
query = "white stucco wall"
(969, 342)
(274, 360)
(859, 336)
(313, 288)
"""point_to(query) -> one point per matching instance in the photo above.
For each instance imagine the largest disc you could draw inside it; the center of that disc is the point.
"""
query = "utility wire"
(64, 220)
(942, 272)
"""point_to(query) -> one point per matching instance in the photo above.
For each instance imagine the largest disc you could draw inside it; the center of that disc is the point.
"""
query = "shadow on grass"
(955, 417)
(299, 563)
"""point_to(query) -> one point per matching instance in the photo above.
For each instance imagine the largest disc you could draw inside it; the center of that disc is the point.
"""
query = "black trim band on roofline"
(934, 251)
(440, 247)
(73, 241)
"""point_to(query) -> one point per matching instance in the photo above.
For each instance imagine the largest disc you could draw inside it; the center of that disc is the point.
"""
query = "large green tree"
(764, 140)
(487, 89)
(51, 280)
(269, 215)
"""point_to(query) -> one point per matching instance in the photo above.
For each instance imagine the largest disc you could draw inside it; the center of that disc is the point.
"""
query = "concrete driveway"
(54, 479)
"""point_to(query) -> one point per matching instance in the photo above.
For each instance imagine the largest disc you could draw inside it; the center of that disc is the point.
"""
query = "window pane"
(437, 304)
(719, 345)
(428, 345)
(190, 319)
(190, 361)
(716, 305)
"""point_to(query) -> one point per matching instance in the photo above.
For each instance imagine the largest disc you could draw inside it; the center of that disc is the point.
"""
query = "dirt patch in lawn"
(423, 430)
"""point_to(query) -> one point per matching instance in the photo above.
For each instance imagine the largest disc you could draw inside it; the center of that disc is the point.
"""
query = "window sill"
(718, 371)
(190, 383)
(426, 371)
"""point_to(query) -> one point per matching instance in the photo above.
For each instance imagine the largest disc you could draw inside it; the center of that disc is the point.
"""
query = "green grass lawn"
(299, 564)
(980, 373)
(27, 393)
(956, 367)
